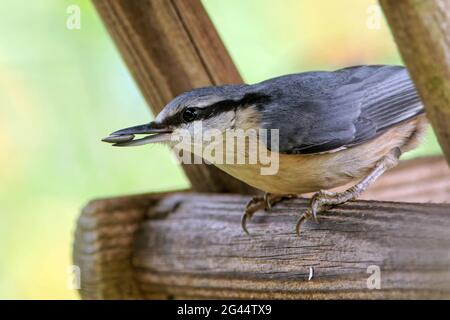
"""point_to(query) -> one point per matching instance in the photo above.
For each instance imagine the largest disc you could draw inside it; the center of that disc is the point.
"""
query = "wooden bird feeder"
(189, 244)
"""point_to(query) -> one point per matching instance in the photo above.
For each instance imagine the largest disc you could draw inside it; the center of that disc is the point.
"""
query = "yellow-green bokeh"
(62, 90)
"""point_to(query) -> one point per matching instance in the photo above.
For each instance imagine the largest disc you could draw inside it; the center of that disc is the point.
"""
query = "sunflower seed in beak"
(119, 138)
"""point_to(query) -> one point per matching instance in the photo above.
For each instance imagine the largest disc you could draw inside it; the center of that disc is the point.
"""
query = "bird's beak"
(125, 137)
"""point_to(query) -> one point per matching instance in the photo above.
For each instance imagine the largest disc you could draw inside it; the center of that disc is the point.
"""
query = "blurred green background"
(62, 90)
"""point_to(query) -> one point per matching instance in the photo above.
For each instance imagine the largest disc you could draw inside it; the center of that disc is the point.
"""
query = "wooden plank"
(171, 47)
(188, 245)
(200, 251)
(422, 32)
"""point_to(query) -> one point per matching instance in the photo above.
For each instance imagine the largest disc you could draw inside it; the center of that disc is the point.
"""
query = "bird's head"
(218, 108)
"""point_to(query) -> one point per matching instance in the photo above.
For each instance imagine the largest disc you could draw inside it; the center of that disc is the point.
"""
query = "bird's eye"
(189, 115)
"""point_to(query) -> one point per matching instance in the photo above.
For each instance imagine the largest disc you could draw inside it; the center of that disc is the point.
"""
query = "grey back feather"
(323, 111)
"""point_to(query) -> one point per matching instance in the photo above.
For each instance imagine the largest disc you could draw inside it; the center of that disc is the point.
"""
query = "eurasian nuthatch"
(333, 128)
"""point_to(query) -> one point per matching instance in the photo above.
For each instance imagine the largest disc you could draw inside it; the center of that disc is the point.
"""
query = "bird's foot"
(257, 203)
(323, 200)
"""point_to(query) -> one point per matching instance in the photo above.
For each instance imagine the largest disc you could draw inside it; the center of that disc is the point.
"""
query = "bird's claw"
(257, 203)
(299, 223)
(244, 218)
(308, 214)
(251, 202)
(252, 206)
(316, 205)
(267, 203)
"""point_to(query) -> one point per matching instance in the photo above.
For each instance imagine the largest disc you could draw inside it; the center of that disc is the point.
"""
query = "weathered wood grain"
(171, 46)
(103, 246)
(200, 251)
(421, 29)
(187, 245)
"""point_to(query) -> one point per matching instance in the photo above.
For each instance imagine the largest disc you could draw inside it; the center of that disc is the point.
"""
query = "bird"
(333, 128)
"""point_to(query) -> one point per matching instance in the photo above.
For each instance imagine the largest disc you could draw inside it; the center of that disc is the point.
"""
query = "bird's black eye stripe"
(229, 105)
(189, 114)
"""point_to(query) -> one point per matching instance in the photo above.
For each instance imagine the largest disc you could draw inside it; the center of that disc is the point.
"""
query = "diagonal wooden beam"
(421, 29)
(171, 46)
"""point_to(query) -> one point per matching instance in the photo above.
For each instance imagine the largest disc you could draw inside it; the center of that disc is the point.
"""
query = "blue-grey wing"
(323, 111)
